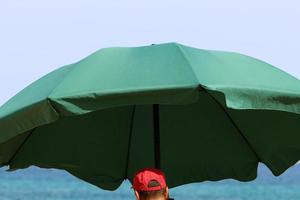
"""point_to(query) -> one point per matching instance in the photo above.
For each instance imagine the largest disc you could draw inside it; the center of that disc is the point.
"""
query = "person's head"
(150, 184)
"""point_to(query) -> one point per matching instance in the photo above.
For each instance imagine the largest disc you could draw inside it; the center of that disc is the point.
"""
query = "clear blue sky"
(37, 37)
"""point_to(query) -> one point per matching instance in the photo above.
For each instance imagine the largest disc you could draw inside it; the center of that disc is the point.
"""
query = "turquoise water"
(35, 183)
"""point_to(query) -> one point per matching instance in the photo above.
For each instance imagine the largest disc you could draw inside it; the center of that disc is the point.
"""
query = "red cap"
(143, 177)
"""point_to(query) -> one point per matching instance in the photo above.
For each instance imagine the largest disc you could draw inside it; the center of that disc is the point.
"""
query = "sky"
(37, 37)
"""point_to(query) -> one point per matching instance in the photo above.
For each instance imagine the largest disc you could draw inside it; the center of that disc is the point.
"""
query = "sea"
(36, 183)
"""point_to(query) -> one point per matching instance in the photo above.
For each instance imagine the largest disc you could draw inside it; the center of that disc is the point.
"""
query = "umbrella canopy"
(196, 114)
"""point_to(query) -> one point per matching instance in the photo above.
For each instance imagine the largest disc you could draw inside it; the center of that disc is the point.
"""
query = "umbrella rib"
(233, 123)
(13, 156)
(129, 141)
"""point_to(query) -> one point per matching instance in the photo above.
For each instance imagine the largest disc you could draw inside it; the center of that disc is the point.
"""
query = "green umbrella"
(196, 114)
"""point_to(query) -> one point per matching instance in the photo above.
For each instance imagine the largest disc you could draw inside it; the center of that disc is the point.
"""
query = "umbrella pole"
(156, 135)
(157, 138)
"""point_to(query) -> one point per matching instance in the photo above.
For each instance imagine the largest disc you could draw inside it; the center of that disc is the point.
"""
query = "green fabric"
(220, 114)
